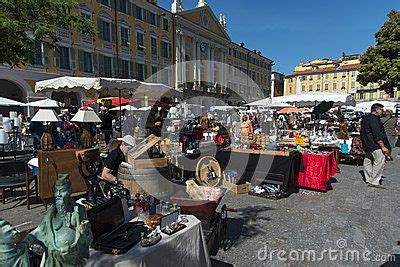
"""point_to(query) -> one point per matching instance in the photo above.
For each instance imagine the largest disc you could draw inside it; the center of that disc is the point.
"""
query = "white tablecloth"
(184, 248)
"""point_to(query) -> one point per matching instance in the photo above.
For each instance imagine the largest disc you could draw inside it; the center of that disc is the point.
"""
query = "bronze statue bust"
(65, 230)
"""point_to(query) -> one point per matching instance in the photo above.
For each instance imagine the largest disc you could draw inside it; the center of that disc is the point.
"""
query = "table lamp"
(86, 116)
(47, 116)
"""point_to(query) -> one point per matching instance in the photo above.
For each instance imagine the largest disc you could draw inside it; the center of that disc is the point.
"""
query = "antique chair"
(13, 174)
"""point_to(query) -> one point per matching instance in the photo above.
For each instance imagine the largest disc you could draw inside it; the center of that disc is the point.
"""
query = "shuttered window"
(64, 57)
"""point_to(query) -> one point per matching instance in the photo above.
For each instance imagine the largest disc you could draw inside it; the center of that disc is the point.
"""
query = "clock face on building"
(203, 47)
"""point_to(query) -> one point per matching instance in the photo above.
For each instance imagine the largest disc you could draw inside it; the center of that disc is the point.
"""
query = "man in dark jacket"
(375, 145)
(106, 123)
(154, 122)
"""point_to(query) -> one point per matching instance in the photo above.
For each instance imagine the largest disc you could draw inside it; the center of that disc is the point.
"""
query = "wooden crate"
(143, 146)
(237, 189)
(138, 164)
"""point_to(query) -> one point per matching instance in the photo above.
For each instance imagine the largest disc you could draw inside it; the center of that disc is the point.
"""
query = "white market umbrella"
(5, 102)
(366, 106)
(311, 99)
(105, 86)
(269, 103)
(127, 107)
(222, 108)
(144, 108)
(44, 103)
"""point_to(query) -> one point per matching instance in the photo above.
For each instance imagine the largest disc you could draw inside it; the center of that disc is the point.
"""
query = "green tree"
(381, 63)
(24, 22)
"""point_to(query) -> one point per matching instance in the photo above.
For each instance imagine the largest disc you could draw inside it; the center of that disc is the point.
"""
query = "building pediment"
(205, 18)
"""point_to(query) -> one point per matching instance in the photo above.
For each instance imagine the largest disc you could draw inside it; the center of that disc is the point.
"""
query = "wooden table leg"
(36, 189)
(3, 195)
(27, 189)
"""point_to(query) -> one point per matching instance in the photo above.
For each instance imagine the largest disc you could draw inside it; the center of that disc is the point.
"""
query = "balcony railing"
(125, 50)
(87, 39)
(107, 45)
(63, 33)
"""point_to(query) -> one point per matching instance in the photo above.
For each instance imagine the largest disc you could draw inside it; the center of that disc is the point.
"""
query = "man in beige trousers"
(375, 145)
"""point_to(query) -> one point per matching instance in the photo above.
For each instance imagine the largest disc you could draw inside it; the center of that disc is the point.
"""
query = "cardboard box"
(237, 189)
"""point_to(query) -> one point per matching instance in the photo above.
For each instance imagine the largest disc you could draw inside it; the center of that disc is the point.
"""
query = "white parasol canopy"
(5, 102)
(366, 106)
(105, 86)
(127, 107)
(269, 103)
(44, 103)
(144, 108)
(311, 99)
(132, 108)
(222, 108)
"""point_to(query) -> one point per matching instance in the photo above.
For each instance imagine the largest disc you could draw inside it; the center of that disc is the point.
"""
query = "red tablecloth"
(317, 170)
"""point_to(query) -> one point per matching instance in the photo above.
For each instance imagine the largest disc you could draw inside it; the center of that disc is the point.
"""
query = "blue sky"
(294, 31)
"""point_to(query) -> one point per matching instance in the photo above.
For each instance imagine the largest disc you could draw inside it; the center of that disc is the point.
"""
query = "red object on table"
(318, 170)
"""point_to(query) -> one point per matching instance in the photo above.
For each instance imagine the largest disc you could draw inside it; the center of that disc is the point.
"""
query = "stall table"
(318, 170)
(259, 166)
(184, 248)
(331, 148)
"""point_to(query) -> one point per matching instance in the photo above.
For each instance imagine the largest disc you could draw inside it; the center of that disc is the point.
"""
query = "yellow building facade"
(334, 75)
(249, 64)
(133, 39)
(139, 39)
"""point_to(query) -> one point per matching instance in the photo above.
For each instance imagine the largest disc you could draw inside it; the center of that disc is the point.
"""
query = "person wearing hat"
(116, 157)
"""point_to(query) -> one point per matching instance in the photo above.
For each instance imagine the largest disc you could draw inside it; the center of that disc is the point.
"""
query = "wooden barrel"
(153, 181)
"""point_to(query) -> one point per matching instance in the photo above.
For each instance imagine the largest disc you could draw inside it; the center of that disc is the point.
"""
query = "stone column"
(212, 78)
(178, 77)
(198, 62)
(184, 78)
(194, 59)
(208, 66)
(224, 70)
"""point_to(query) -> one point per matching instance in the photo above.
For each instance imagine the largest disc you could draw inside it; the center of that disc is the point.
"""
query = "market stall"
(318, 168)
(129, 88)
(259, 166)
(312, 99)
(185, 248)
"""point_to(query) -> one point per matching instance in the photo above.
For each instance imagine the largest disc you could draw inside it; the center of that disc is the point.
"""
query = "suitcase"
(110, 232)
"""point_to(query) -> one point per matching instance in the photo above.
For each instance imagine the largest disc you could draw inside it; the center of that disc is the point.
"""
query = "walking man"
(375, 145)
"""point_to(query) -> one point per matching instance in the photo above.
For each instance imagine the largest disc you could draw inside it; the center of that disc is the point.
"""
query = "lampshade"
(86, 116)
(46, 115)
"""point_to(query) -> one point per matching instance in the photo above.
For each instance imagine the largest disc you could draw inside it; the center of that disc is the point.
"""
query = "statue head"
(62, 193)
(8, 234)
